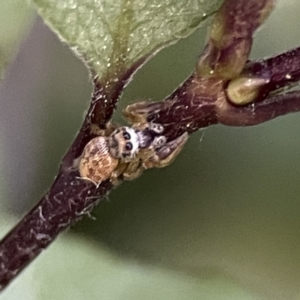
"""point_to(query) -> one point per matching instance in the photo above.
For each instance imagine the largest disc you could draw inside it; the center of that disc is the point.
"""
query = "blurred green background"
(222, 222)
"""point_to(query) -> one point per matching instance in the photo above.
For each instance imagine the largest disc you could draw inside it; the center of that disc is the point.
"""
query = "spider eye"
(126, 135)
(128, 146)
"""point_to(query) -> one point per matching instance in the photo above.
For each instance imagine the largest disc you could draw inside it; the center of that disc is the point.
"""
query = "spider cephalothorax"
(125, 152)
(124, 143)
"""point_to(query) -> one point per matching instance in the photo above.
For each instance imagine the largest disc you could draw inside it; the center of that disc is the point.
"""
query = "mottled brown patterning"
(125, 152)
(97, 163)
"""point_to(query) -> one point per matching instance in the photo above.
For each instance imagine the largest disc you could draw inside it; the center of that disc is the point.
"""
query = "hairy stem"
(200, 101)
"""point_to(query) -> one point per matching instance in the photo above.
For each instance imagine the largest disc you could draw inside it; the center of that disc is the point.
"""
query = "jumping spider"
(125, 152)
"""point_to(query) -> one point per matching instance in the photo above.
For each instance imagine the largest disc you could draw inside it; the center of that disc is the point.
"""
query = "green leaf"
(15, 19)
(112, 35)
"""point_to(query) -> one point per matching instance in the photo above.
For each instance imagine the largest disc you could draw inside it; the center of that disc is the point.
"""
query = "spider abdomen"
(97, 163)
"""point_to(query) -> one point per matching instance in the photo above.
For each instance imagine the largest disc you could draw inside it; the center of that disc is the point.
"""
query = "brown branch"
(69, 198)
(282, 70)
(202, 100)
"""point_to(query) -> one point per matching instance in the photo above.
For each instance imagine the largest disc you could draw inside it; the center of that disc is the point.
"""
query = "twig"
(202, 100)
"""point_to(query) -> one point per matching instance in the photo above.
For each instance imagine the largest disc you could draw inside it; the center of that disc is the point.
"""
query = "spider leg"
(140, 111)
(156, 128)
(110, 127)
(158, 142)
(133, 170)
(115, 177)
(166, 154)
